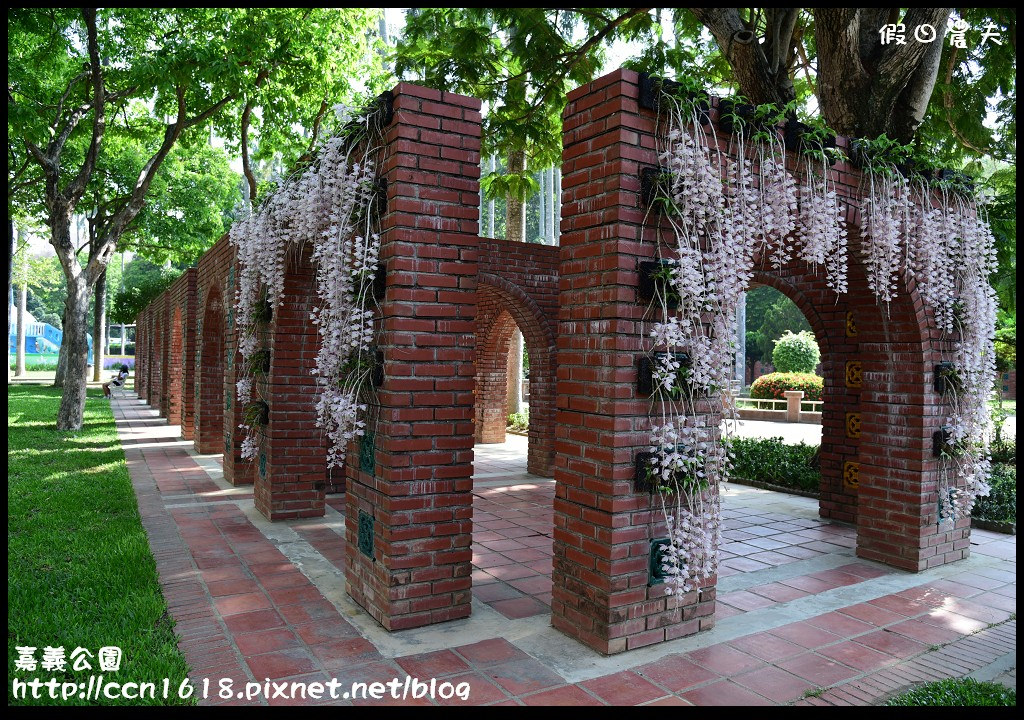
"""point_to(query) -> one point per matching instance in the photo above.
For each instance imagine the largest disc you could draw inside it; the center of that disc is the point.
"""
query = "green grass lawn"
(79, 569)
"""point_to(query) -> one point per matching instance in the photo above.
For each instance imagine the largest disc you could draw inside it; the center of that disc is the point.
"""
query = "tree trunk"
(22, 302)
(99, 326)
(515, 209)
(76, 349)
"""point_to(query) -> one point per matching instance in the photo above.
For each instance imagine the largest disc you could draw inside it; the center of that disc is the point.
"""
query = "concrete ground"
(800, 619)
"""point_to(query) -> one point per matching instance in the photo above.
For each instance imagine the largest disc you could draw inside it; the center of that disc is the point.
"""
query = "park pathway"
(254, 600)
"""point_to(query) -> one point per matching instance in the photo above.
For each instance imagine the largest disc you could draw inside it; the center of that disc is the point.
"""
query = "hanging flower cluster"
(726, 211)
(953, 254)
(884, 223)
(822, 230)
(330, 205)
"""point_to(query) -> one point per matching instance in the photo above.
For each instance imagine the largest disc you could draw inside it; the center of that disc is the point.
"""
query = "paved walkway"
(801, 620)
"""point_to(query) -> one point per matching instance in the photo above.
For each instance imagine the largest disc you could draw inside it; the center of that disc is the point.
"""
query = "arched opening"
(175, 369)
(209, 414)
(503, 308)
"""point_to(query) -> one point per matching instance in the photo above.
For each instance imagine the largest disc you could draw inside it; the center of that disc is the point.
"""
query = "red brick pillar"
(141, 339)
(897, 521)
(292, 466)
(186, 294)
(237, 470)
(409, 518)
(158, 331)
(603, 528)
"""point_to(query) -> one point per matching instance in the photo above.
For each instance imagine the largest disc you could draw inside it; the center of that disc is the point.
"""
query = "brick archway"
(827, 315)
(501, 308)
(209, 415)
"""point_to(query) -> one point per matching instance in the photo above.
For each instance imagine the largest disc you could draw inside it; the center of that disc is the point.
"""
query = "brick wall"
(416, 503)
(290, 477)
(181, 354)
(518, 288)
(141, 365)
(157, 353)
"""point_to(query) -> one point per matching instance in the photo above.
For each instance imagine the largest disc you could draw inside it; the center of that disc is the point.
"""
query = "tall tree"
(75, 82)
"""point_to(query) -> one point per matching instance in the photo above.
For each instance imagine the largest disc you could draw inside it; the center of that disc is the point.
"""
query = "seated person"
(117, 382)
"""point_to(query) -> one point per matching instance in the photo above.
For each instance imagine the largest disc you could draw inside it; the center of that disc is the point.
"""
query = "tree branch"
(76, 187)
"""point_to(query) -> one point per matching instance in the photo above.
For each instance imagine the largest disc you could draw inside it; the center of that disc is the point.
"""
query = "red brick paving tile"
(676, 673)
(495, 591)
(265, 641)
(523, 676)
(778, 592)
(264, 570)
(670, 700)
(291, 596)
(511, 572)
(892, 643)
(857, 656)
(280, 664)
(565, 695)
(952, 621)
(724, 692)
(532, 585)
(432, 664)
(838, 577)
(924, 632)
(818, 670)
(232, 587)
(774, 684)
(895, 603)
(323, 631)
(345, 652)
(725, 660)
(864, 571)
(976, 611)
(809, 584)
(745, 600)
(805, 635)
(309, 611)
(252, 621)
(491, 652)
(481, 690)
(955, 589)
(235, 604)
(285, 581)
(723, 611)
(873, 614)
(978, 580)
(377, 671)
(623, 688)
(525, 555)
(766, 646)
(482, 577)
(840, 624)
(302, 685)
(995, 600)
(520, 607)
(234, 571)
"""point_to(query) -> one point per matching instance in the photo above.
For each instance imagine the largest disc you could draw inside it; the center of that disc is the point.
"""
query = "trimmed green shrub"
(774, 385)
(957, 692)
(772, 461)
(796, 353)
(519, 422)
(1000, 505)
